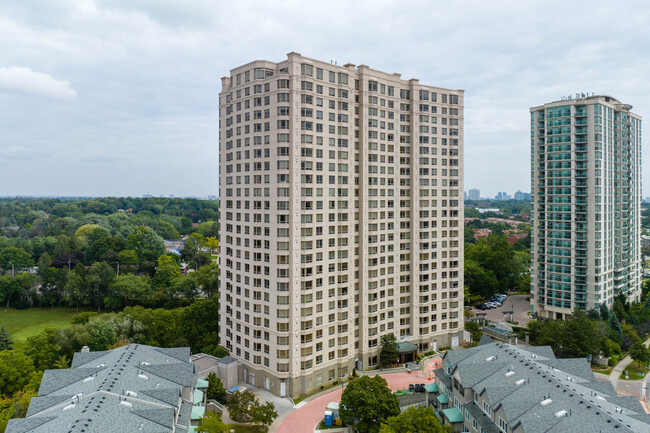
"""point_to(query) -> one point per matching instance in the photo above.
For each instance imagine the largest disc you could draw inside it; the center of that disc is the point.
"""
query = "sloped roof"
(130, 388)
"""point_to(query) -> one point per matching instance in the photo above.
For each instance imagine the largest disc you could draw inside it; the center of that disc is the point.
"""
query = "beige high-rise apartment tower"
(341, 219)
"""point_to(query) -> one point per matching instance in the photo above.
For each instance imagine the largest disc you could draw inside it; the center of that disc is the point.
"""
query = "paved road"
(627, 387)
(516, 303)
(305, 418)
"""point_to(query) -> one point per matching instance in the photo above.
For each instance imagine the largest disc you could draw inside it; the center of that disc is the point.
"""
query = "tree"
(166, 271)
(639, 352)
(16, 371)
(102, 335)
(367, 402)
(97, 281)
(205, 312)
(615, 325)
(212, 243)
(215, 387)
(388, 353)
(475, 330)
(416, 419)
(126, 290)
(240, 404)
(18, 257)
(263, 414)
(207, 278)
(211, 423)
(480, 281)
(579, 336)
(146, 243)
(5, 339)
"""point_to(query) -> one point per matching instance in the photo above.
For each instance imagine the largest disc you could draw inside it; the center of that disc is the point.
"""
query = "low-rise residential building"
(496, 387)
(514, 237)
(134, 388)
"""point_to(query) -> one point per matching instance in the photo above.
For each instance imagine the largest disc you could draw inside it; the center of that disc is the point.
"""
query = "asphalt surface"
(516, 303)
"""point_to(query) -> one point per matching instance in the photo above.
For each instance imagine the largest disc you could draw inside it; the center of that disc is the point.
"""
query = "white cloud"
(16, 153)
(24, 80)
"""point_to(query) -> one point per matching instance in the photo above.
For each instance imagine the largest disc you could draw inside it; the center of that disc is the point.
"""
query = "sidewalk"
(618, 369)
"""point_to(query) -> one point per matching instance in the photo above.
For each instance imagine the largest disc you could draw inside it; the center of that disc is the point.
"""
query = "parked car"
(482, 307)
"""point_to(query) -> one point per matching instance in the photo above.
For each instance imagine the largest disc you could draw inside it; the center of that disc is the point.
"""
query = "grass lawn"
(26, 323)
(633, 370)
(601, 369)
(316, 391)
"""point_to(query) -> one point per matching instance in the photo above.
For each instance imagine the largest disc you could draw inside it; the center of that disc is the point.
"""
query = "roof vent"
(69, 407)
(490, 358)
(131, 394)
(546, 402)
(561, 413)
(143, 376)
(88, 379)
(144, 363)
(510, 373)
(126, 403)
(520, 382)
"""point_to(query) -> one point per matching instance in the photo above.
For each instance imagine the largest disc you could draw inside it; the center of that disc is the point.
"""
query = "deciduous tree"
(367, 402)
(416, 419)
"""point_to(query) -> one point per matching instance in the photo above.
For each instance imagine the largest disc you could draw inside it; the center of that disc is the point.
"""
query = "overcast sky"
(120, 97)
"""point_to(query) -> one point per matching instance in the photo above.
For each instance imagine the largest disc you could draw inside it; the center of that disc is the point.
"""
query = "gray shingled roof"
(517, 379)
(131, 388)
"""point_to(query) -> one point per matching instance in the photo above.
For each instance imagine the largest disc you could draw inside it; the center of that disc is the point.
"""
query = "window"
(503, 426)
(486, 408)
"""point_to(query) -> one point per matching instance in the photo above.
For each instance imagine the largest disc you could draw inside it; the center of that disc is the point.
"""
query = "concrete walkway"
(614, 376)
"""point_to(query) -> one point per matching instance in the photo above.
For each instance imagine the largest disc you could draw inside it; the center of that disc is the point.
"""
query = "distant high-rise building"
(502, 196)
(474, 194)
(586, 201)
(519, 195)
(340, 216)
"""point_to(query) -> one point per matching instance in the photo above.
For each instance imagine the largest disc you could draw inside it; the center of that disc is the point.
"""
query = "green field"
(22, 324)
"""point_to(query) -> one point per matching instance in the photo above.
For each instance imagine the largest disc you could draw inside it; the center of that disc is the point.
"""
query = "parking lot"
(518, 304)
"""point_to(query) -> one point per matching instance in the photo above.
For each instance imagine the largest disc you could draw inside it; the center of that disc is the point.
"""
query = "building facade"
(341, 218)
(586, 204)
(128, 389)
(497, 387)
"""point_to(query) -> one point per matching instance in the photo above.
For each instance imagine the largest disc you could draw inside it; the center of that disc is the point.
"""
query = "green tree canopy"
(388, 353)
(166, 271)
(367, 402)
(18, 257)
(211, 423)
(416, 419)
(639, 352)
(263, 414)
(5, 339)
(240, 404)
(146, 243)
(16, 370)
(215, 387)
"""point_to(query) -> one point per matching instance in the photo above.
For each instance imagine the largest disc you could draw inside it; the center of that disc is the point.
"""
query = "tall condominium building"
(341, 218)
(474, 194)
(586, 200)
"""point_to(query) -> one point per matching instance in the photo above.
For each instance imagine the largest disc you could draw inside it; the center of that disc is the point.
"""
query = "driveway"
(516, 303)
(308, 414)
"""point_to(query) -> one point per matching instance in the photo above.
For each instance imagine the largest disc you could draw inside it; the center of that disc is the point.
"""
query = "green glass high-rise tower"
(586, 204)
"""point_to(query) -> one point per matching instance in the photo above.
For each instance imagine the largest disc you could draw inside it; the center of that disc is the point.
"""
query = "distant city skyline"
(121, 98)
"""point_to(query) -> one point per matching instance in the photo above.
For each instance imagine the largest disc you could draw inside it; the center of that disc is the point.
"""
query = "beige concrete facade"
(586, 204)
(341, 218)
